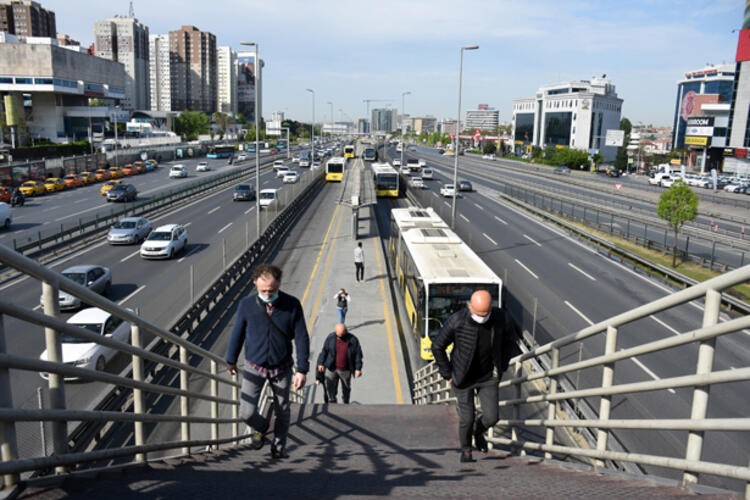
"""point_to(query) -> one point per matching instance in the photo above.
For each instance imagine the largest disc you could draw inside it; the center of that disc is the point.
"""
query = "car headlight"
(82, 361)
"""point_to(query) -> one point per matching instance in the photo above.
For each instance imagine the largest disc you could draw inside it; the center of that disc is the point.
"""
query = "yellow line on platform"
(324, 274)
(320, 255)
(388, 327)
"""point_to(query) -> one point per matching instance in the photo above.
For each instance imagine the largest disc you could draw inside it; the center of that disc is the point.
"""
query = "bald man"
(483, 341)
(340, 357)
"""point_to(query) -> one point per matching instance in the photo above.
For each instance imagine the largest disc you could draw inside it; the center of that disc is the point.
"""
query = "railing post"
(700, 393)
(549, 438)
(235, 407)
(214, 404)
(605, 404)
(50, 301)
(138, 406)
(517, 369)
(8, 443)
(184, 402)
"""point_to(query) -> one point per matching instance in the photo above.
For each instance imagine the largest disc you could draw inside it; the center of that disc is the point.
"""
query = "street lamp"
(403, 128)
(312, 129)
(458, 133)
(331, 131)
(288, 152)
(117, 111)
(257, 136)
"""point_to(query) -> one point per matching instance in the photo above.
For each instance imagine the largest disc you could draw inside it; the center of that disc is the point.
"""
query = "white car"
(278, 163)
(281, 171)
(267, 197)
(416, 182)
(91, 355)
(178, 172)
(396, 162)
(667, 181)
(241, 157)
(164, 242)
(448, 190)
(427, 173)
(421, 163)
(290, 177)
(488, 157)
(6, 218)
(404, 169)
(202, 167)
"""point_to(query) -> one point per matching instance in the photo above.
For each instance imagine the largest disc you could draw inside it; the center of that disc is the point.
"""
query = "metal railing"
(533, 395)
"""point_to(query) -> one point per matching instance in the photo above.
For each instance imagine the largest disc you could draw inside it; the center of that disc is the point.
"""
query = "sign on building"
(614, 138)
(691, 140)
(700, 126)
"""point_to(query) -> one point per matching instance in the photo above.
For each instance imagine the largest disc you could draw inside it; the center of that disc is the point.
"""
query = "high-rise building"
(384, 120)
(227, 77)
(26, 18)
(125, 40)
(739, 119)
(575, 114)
(249, 75)
(160, 84)
(193, 69)
(482, 118)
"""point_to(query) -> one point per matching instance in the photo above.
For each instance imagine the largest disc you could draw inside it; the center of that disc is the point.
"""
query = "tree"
(191, 124)
(489, 147)
(677, 205)
(222, 122)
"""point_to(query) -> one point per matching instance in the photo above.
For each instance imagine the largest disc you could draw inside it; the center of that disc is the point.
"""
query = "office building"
(248, 75)
(574, 114)
(384, 120)
(738, 133)
(193, 69)
(226, 62)
(483, 118)
(160, 84)
(26, 18)
(125, 40)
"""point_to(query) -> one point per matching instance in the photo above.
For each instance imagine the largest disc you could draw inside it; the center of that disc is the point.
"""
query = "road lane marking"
(81, 200)
(137, 290)
(463, 217)
(575, 310)
(131, 255)
(434, 194)
(249, 210)
(213, 210)
(527, 269)
(320, 255)
(501, 221)
(55, 207)
(225, 227)
(648, 372)
(581, 271)
(187, 224)
(479, 206)
(493, 241)
(664, 325)
(447, 204)
(532, 240)
(324, 275)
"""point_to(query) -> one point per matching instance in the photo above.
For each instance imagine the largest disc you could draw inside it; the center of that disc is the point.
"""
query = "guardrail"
(528, 373)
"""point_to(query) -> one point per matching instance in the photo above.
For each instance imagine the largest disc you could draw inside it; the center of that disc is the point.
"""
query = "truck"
(664, 171)
(305, 158)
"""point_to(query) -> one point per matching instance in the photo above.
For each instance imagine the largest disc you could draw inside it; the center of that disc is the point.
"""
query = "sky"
(349, 51)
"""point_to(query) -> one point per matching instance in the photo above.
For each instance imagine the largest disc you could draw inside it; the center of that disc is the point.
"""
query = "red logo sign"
(687, 107)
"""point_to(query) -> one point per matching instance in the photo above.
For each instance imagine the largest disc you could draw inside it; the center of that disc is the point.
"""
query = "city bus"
(370, 154)
(386, 180)
(437, 272)
(335, 169)
(224, 151)
(349, 151)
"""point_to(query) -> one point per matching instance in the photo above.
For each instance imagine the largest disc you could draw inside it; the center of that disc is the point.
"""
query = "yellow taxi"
(115, 172)
(140, 166)
(87, 177)
(72, 181)
(108, 185)
(153, 162)
(102, 174)
(32, 188)
(54, 184)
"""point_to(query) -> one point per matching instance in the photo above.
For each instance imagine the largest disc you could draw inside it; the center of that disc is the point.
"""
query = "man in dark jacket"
(483, 341)
(267, 323)
(341, 355)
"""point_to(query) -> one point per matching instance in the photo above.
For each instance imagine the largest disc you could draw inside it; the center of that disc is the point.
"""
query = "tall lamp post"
(288, 152)
(257, 138)
(403, 128)
(331, 133)
(117, 111)
(312, 129)
(458, 133)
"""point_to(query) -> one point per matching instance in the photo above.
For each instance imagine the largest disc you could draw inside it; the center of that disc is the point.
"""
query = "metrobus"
(437, 272)
(220, 151)
(349, 151)
(335, 169)
(370, 154)
(386, 180)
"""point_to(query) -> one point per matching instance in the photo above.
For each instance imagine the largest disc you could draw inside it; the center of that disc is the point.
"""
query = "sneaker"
(481, 442)
(257, 440)
(278, 452)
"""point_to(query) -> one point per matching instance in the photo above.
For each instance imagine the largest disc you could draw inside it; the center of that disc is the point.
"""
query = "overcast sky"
(352, 50)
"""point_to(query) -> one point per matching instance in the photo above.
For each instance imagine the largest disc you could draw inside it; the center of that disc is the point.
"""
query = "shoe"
(466, 457)
(277, 452)
(481, 442)
(257, 440)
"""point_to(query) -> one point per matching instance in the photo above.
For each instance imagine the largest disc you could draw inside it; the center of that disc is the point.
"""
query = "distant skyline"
(350, 51)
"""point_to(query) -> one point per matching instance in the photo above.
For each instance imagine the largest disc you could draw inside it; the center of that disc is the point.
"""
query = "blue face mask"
(268, 299)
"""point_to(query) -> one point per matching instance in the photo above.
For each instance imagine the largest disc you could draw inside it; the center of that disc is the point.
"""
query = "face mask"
(480, 319)
(268, 299)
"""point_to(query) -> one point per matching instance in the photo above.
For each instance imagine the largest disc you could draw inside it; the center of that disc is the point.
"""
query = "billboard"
(696, 141)
(246, 84)
(614, 137)
(700, 126)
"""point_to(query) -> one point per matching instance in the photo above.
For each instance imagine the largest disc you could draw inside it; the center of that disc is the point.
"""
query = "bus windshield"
(386, 181)
(446, 298)
(335, 168)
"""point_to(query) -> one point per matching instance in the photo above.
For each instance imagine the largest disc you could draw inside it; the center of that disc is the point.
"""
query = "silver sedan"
(129, 230)
(96, 278)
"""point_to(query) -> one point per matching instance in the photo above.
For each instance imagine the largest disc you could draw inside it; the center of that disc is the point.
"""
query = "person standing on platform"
(342, 299)
(359, 262)
(340, 357)
(267, 323)
(483, 339)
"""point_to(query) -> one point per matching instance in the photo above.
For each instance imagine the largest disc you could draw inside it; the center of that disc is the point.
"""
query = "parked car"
(115, 172)
(165, 241)
(96, 278)
(203, 167)
(5, 194)
(102, 174)
(108, 185)
(290, 177)
(427, 174)
(129, 230)
(243, 192)
(464, 185)
(448, 190)
(32, 188)
(72, 181)
(267, 197)
(122, 192)
(80, 352)
(54, 184)
(129, 170)
(87, 177)
(6, 215)
(562, 170)
(178, 172)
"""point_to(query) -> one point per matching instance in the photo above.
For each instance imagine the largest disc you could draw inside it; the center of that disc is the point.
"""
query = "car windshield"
(125, 224)
(79, 278)
(267, 196)
(242, 188)
(160, 236)
(70, 339)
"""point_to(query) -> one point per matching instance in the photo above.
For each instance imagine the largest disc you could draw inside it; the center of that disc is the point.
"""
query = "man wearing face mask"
(483, 341)
(266, 323)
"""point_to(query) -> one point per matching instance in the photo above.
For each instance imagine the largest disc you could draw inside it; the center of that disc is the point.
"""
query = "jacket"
(461, 331)
(264, 344)
(327, 356)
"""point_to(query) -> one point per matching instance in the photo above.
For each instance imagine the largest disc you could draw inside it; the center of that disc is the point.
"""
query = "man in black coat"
(341, 355)
(483, 341)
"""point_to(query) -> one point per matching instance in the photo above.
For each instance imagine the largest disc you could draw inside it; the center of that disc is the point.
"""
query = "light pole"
(312, 130)
(331, 134)
(403, 128)
(117, 111)
(458, 133)
(257, 137)
(288, 152)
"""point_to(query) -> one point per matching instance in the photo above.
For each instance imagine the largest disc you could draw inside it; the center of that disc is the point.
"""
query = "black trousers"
(360, 268)
(488, 401)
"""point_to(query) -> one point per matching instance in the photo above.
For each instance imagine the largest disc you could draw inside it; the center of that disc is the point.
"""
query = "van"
(267, 197)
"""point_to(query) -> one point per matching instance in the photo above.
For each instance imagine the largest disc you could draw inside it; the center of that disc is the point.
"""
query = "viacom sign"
(700, 126)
